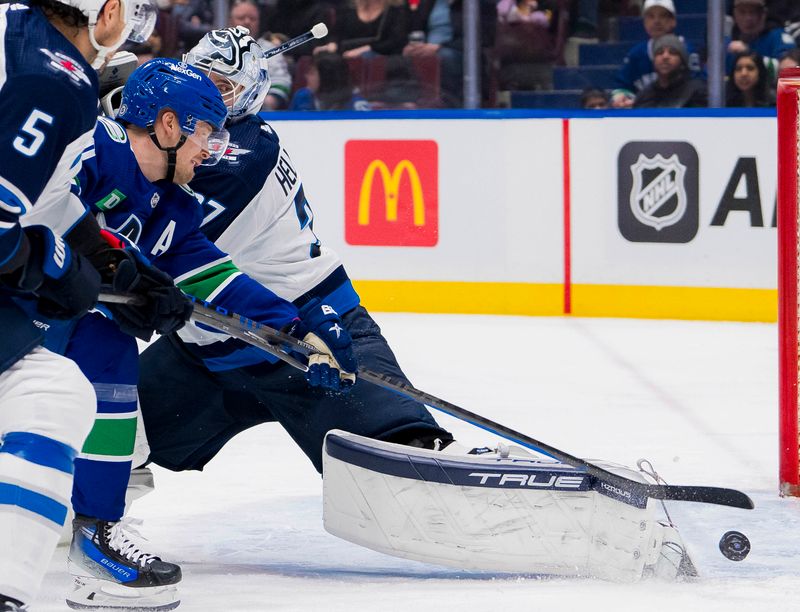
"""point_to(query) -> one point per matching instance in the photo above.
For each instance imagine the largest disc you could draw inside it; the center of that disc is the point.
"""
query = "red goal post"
(788, 278)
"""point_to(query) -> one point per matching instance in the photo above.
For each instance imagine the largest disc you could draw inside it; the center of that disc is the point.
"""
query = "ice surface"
(697, 399)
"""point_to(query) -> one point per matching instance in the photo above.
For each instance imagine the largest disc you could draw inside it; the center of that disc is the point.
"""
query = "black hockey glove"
(64, 281)
(334, 367)
(127, 271)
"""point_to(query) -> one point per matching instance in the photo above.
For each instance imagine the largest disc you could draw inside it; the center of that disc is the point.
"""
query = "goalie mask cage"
(788, 277)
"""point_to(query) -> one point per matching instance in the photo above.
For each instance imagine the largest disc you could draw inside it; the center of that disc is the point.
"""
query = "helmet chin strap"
(103, 50)
(172, 152)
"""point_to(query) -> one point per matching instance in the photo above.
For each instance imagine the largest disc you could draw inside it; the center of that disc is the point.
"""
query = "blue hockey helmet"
(167, 83)
(164, 83)
(235, 55)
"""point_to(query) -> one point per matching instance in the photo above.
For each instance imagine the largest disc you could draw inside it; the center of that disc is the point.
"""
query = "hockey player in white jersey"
(256, 207)
(416, 492)
(48, 91)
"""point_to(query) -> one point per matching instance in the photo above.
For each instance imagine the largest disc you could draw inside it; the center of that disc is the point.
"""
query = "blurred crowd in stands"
(594, 54)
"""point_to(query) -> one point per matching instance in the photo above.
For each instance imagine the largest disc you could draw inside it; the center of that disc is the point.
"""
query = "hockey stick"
(277, 343)
(318, 31)
(217, 319)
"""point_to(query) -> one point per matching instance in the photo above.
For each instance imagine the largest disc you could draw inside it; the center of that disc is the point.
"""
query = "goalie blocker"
(504, 511)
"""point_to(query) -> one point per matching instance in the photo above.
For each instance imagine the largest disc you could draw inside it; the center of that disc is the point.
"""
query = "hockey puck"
(734, 545)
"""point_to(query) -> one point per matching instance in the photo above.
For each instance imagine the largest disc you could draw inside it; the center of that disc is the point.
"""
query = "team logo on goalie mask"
(658, 191)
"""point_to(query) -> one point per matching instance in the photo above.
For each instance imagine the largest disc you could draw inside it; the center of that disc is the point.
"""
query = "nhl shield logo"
(658, 191)
(658, 197)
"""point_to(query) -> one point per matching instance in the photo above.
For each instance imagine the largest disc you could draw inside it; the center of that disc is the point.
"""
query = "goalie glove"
(334, 365)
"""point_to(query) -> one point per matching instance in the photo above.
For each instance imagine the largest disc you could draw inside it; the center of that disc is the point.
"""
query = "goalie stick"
(278, 343)
(318, 31)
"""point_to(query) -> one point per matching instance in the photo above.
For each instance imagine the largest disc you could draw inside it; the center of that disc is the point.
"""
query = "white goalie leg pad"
(485, 512)
(93, 593)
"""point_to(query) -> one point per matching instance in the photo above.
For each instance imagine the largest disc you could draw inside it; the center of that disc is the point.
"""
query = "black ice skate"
(112, 572)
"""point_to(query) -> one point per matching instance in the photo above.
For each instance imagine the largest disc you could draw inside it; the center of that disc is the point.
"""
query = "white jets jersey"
(256, 211)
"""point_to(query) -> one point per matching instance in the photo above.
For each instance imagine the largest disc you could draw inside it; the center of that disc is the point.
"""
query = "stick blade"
(704, 495)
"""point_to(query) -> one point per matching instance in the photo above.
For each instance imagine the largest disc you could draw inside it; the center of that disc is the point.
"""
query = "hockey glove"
(334, 366)
(166, 310)
(65, 282)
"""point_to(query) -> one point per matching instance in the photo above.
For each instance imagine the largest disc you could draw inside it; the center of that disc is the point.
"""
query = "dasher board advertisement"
(611, 216)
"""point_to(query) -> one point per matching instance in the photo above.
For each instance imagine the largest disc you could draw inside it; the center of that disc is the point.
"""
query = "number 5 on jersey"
(33, 137)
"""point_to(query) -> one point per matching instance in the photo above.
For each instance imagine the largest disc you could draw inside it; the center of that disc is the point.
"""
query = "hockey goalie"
(504, 510)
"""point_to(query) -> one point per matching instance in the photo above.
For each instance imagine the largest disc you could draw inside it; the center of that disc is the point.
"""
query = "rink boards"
(621, 215)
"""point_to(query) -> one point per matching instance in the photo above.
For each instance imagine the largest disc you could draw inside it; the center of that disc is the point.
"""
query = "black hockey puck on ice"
(734, 545)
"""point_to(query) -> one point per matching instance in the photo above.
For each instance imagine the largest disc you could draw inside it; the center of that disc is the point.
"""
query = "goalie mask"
(140, 20)
(234, 55)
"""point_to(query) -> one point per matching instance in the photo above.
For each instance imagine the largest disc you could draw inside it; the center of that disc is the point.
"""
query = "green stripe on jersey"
(206, 282)
(111, 437)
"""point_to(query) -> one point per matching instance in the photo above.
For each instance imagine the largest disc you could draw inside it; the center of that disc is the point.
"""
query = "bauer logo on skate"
(658, 191)
(392, 192)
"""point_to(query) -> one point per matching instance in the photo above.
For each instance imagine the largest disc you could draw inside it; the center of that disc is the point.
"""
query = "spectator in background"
(750, 33)
(365, 27)
(328, 86)
(784, 14)
(790, 59)
(594, 99)
(294, 17)
(402, 89)
(528, 11)
(195, 18)
(246, 13)
(749, 83)
(637, 72)
(674, 86)
(437, 29)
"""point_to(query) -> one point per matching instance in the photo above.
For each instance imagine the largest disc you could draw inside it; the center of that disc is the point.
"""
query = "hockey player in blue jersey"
(197, 393)
(48, 91)
(170, 122)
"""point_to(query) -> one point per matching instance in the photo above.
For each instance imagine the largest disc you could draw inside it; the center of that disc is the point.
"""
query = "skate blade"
(95, 594)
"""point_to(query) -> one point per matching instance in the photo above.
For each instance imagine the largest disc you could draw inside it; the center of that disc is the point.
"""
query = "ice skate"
(112, 572)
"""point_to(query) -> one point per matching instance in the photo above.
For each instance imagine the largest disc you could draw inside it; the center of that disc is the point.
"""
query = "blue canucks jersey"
(637, 70)
(770, 45)
(256, 209)
(163, 220)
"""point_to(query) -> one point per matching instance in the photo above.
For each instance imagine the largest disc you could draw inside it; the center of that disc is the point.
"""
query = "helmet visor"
(215, 145)
(140, 17)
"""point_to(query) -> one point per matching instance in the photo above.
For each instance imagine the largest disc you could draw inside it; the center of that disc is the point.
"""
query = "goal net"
(788, 277)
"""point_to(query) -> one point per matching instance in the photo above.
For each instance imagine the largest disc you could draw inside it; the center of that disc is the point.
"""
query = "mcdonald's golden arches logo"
(392, 192)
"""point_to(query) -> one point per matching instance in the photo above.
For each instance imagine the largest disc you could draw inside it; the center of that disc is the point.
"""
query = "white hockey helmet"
(140, 20)
(235, 55)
